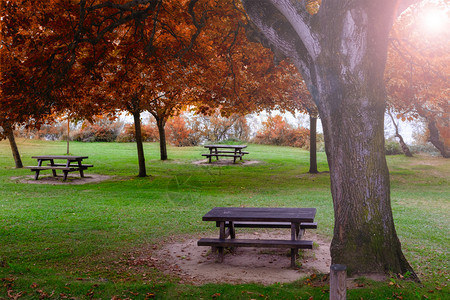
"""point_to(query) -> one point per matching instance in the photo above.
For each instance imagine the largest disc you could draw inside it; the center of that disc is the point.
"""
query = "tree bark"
(161, 123)
(313, 145)
(435, 138)
(405, 148)
(139, 144)
(341, 54)
(14, 148)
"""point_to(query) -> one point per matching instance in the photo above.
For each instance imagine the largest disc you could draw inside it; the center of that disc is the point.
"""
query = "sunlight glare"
(434, 21)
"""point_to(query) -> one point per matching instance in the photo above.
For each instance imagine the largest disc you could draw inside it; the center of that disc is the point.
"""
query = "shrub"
(178, 134)
(392, 147)
(277, 131)
(427, 148)
(102, 130)
(49, 132)
(149, 133)
(215, 128)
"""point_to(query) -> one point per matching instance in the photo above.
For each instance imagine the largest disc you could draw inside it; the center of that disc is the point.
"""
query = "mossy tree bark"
(341, 54)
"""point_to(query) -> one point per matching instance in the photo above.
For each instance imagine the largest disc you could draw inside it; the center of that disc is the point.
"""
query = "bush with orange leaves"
(277, 131)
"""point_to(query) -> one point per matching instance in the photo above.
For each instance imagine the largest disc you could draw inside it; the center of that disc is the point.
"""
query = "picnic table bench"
(234, 151)
(73, 163)
(229, 218)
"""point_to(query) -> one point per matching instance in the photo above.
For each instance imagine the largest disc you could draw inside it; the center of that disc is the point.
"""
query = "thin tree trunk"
(160, 122)
(139, 144)
(68, 135)
(403, 145)
(435, 140)
(14, 148)
(313, 145)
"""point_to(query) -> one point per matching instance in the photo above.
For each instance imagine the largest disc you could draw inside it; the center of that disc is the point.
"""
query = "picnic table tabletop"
(261, 214)
(68, 157)
(226, 146)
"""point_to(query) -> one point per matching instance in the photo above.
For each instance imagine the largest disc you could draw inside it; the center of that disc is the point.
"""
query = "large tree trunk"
(161, 123)
(341, 53)
(313, 144)
(14, 148)
(364, 234)
(139, 144)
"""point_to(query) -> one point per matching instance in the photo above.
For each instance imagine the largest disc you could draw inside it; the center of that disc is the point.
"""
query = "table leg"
(240, 153)
(217, 154)
(294, 252)
(81, 169)
(222, 237)
(232, 230)
(210, 154)
(52, 163)
(36, 176)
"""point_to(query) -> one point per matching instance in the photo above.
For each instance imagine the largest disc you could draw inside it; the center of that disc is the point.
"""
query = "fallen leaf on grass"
(15, 296)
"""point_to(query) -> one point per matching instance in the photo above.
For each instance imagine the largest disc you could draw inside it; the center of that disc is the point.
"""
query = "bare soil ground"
(225, 162)
(71, 179)
(198, 265)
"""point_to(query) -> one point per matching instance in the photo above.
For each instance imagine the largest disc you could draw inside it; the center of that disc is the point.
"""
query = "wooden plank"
(225, 146)
(72, 165)
(261, 214)
(69, 157)
(308, 225)
(70, 169)
(298, 244)
(246, 224)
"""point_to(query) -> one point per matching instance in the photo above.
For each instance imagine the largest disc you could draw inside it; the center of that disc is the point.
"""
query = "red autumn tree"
(46, 63)
(200, 57)
(418, 69)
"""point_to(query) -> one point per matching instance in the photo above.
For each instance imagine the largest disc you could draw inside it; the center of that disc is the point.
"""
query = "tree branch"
(402, 5)
(300, 21)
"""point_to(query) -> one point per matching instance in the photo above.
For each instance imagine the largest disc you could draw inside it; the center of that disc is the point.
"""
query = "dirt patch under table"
(71, 179)
(197, 265)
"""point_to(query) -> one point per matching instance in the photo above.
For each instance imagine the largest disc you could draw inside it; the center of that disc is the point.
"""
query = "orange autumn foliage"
(277, 131)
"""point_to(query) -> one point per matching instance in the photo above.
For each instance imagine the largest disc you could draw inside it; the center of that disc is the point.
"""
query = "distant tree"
(405, 148)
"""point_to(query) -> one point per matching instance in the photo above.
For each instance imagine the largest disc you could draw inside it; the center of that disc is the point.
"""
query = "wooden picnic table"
(72, 163)
(234, 151)
(228, 218)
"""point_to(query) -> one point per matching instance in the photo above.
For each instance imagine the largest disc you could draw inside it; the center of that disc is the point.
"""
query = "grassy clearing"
(75, 241)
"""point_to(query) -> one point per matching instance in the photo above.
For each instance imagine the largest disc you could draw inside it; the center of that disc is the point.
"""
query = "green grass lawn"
(64, 241)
